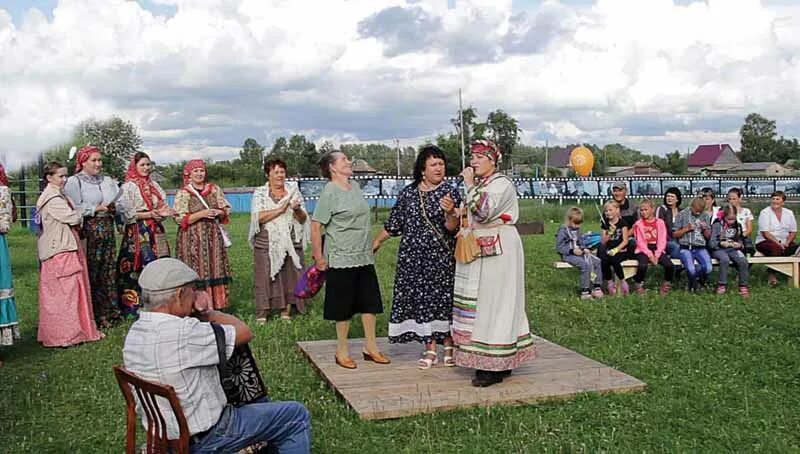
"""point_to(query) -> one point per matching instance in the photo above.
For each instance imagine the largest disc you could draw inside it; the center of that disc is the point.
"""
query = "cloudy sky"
(200, 76)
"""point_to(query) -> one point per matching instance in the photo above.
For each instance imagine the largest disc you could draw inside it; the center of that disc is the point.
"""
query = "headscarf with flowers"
(146, 188)
(187, 172)
(487, 148)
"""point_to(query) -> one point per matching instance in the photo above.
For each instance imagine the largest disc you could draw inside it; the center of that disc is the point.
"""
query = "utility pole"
(546, 152)
(397, 148)
(461, 124)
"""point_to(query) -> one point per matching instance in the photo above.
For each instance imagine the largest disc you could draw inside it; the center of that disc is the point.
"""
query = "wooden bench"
(789, 266)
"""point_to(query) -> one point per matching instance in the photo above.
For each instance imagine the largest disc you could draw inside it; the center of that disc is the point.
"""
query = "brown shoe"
(378, 358)
(347, 363)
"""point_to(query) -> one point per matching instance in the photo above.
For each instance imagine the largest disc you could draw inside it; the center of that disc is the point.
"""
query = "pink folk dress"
(65, 306)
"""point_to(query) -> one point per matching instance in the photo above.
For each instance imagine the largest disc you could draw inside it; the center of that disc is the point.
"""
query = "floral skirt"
(9, 323)
(141, 245)
(101, 260)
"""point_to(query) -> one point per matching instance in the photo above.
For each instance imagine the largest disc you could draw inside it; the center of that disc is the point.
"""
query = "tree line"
(119, 139)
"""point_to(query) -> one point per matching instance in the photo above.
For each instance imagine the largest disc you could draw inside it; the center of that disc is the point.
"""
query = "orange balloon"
(582, 160)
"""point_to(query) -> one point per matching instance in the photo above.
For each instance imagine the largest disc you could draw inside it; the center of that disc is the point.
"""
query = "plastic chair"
(146, 394)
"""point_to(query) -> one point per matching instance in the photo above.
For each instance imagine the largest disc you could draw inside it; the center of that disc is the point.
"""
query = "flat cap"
(619, 185)
(166, 274)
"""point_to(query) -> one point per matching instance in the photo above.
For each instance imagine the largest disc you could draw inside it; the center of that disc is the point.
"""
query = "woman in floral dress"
(201, 208)
(425, 218)
(143, 205)
(94, 196)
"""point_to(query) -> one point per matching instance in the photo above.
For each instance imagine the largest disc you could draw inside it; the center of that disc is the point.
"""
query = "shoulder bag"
(239, 375)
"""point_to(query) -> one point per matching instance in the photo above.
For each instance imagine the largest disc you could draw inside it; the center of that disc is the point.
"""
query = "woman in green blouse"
(352, 285)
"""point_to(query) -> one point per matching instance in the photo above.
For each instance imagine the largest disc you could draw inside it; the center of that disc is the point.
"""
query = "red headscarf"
(191, 165)
(487, 148)
(146, 187)
(3, 176)
(83, 156)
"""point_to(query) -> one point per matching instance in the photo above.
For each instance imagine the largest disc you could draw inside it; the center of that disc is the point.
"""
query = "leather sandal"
(449, 360)
(347, 363)
(426, 363)
(378, 358)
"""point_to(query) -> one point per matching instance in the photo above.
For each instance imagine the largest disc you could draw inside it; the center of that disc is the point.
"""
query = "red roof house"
(719, 157)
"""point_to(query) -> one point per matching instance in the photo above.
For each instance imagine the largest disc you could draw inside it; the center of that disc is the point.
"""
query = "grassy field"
(723, 373)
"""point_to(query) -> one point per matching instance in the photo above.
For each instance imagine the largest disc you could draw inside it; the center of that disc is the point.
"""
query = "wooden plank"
(400, 389)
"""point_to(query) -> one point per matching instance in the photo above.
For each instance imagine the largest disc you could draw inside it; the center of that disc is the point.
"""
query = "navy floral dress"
(422, 306)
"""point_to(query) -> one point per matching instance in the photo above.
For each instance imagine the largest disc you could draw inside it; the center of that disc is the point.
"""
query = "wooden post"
(23, 203)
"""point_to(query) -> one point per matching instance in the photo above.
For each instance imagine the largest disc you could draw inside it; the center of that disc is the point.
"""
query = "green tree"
(116, 138)
(785, 150)
(504, 130)
(674, 163)
(758, 138)
(304, 156)
(252, 154)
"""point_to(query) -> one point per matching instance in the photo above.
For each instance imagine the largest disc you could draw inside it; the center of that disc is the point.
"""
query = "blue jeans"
(286, 426)
(688, 256)
(673, 249)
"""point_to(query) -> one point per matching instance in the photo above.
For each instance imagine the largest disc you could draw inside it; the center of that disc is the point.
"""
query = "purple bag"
(310, 282)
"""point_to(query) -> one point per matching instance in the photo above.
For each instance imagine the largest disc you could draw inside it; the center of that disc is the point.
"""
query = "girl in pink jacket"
(650, 233)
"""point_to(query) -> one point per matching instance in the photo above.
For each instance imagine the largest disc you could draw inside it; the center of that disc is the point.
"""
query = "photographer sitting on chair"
(173, 344)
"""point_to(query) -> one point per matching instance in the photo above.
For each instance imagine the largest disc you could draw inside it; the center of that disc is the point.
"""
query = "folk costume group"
(474, 308)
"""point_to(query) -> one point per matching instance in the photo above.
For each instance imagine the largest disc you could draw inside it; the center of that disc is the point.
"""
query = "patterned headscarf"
(191, 165)
(488, 149)
(3, 176)
(83, 156)
(146, 187)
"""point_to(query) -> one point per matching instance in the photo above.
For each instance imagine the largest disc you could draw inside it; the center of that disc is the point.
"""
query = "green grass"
(723, 373)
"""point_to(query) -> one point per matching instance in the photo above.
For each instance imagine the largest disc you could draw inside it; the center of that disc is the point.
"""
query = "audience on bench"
(692, 235)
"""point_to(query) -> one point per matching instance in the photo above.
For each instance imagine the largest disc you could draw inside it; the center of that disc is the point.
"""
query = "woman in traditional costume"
(425, 217)
(94, 196)
(9, 323)
(490, 326)
(202, 243)
(143, 205)
(278, 235)
(352, 284)
(65, 307)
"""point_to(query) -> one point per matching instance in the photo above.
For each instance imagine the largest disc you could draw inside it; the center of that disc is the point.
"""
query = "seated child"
(727, 245)
(569, 244)
(650, 233)
(693, 229)
(613, 249)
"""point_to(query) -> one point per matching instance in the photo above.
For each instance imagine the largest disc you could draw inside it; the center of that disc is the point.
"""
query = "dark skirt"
(350, 291)
(279, 293)
(101, 251)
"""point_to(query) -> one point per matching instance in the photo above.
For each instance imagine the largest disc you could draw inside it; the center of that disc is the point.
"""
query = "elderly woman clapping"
(278, 226)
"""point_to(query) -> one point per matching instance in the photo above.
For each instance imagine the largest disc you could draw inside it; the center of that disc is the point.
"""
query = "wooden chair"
(146, 393)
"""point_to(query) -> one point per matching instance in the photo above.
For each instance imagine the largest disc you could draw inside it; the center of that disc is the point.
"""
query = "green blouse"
(345, 215)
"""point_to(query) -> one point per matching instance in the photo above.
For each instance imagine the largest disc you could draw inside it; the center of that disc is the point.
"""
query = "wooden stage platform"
(400, 389)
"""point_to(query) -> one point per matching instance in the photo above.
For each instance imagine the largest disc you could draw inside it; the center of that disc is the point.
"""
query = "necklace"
(427, 187)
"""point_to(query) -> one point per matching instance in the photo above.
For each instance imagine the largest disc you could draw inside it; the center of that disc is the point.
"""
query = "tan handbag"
(467, 249)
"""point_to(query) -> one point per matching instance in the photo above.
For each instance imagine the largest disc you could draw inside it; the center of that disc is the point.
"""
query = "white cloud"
(649, 74)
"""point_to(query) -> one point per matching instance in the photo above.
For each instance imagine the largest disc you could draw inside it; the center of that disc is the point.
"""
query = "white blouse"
(131, 201)
(284, 230)
(780, 229)
(86, 193)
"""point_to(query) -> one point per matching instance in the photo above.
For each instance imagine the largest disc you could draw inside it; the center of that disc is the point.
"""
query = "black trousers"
(609, 262)
(644, 261)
